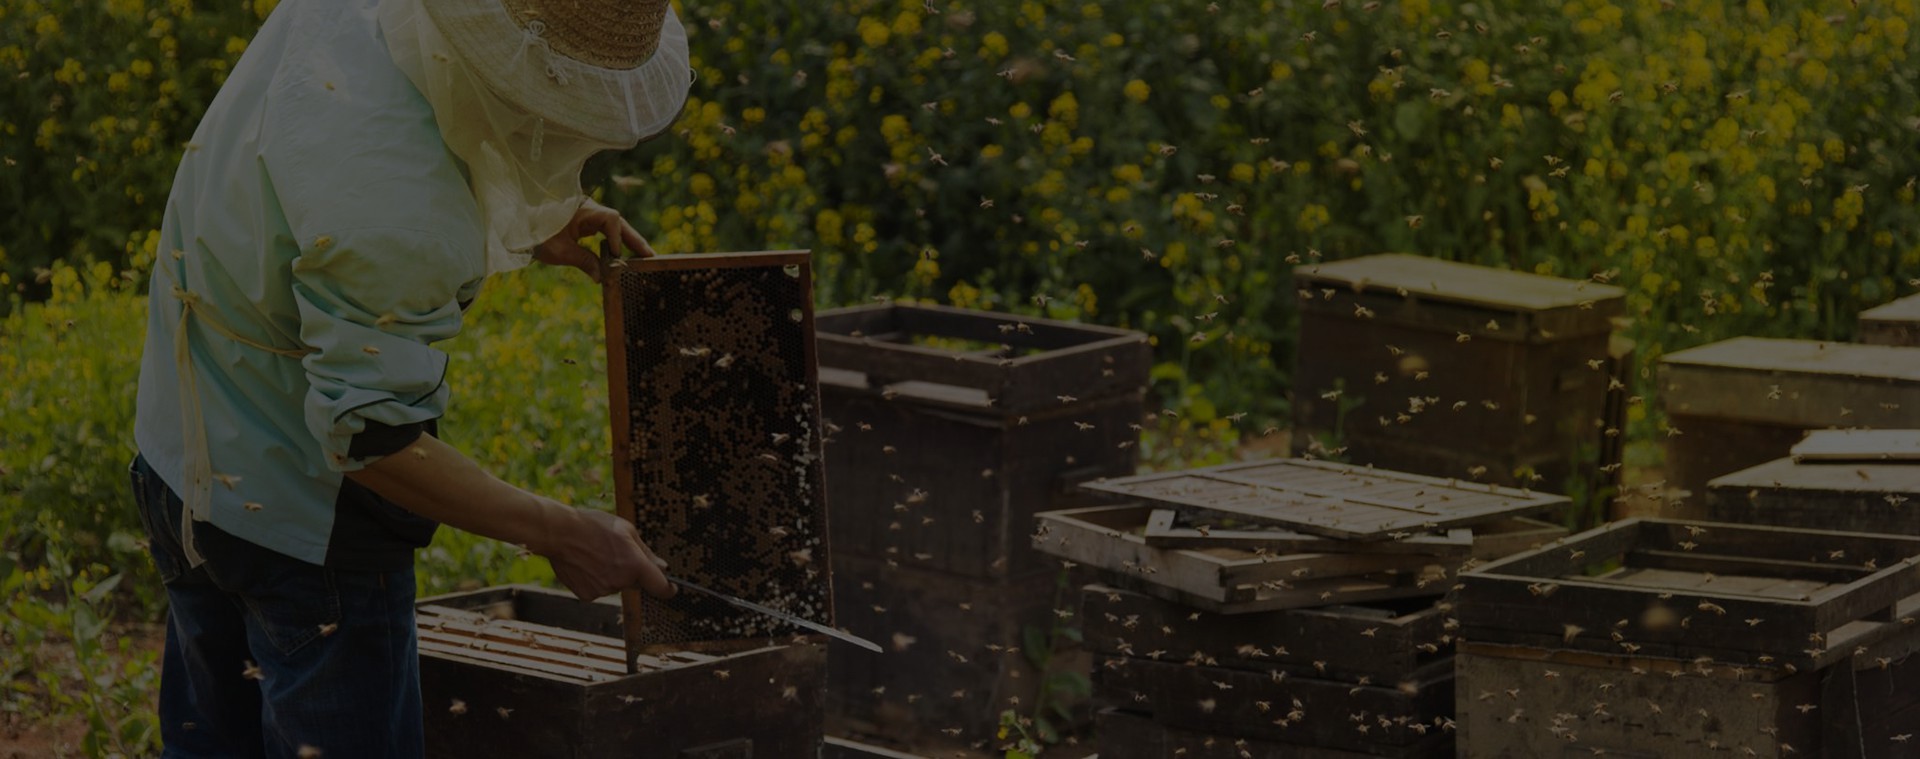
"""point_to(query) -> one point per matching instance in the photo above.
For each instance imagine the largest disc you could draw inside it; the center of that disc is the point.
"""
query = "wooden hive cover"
(1804, 383)
(1859, 445)
(1493, 303)
(1879, 497)
(1326, 498)
(716, 432)
(1899, 312)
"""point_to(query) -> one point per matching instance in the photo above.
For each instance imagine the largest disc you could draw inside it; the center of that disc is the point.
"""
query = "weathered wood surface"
(956, 491)
(1166, 528)
(843, 748)
(1858, 446)
(1730, 591)
(1111, 538)
(1896, 323)
(1385, 641)
(1805, 383)
(953, 643)
(1043, 359)
(1453, 370)
(1517, 701)
(1297, 710)
(1128, 735)
(1561, 307)
(1326, 498)
(1873, 497)
(539, 685)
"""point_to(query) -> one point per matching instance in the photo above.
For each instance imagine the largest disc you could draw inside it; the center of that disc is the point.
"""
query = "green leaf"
(1033, 642)
(98, 593)
(1044, 727)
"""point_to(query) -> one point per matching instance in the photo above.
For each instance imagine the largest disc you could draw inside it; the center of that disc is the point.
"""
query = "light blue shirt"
(317, 206)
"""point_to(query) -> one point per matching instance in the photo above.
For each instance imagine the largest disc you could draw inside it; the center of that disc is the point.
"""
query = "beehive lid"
(1859, 445)
(1478, 301)
(1809, 383)
(1905, 310)
(1326, 498)
(1825, 477)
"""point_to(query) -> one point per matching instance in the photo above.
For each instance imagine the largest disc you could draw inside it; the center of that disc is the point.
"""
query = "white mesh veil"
(524, 118)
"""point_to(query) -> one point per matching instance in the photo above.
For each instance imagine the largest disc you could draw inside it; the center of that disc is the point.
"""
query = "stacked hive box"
(1666, 638)
(1861, 481)
(716, 434)
(1747, 401)
(1284, 607)
(1896, 323)
(1420, 365)
(951, 428)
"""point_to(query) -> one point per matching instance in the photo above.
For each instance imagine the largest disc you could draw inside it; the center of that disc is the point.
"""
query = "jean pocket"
(151, 498)
(291, 601)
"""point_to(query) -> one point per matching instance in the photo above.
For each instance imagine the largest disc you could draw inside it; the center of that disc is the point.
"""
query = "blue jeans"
(267, 654)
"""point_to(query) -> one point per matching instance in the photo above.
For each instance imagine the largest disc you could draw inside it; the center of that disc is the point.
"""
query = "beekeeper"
(366, 166)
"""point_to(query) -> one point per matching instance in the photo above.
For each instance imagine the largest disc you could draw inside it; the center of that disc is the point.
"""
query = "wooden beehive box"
(1520, 702)
(1384, 642)
(1511, 369)
(716, 459)
(1859, 496)
(954, 645)
(1304, 711)
(1747, 401)
(1896, 323)
(1736, 594)
(955, 426)
(1129, 734)
(528, 671)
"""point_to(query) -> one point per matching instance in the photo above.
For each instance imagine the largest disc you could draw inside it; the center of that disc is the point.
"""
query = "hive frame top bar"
(678, 261)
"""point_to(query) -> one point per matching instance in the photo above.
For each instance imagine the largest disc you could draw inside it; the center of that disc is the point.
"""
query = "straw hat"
(597, 68)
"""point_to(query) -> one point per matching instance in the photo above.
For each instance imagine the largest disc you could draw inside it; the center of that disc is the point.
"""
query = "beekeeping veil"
(525, 91)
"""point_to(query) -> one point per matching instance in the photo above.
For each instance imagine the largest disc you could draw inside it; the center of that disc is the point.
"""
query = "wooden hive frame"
(714, 395)
(1737, 594)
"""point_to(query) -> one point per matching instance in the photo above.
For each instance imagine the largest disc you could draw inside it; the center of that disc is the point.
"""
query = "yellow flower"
(1137, 91)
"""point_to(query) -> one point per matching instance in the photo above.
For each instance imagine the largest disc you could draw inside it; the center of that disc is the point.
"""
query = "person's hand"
(595, 554)
(564, 248)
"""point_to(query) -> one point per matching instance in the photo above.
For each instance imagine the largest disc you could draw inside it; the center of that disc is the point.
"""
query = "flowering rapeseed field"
(1740, 167)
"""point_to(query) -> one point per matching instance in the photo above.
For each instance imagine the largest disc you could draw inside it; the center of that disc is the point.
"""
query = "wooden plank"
(1895, 323)
(1872, 498)
(1264, 492)
(1433, 278)
(1803, 383)
(1260, 705)
(842, 748)
(1108, 537)
(1386, 640)
(1123, 734)
(1859, 446)
(1277, 596)
(1747, 566)
(1521, 707)
(1788, 475)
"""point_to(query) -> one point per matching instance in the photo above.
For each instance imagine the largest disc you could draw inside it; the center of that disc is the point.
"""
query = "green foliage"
(102, 98)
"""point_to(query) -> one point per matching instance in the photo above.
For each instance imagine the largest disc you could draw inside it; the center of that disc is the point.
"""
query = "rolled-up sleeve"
(371, 303)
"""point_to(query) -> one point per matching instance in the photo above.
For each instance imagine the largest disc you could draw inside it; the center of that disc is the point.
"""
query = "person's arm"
(593, 553)
(372, 302)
